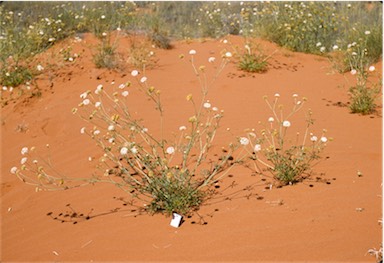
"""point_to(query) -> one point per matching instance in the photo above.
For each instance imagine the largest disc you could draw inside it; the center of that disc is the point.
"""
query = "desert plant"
(106, 56)
(253, 60)
(287, 156)
(14, 76)
(169, 176)
(141, 54)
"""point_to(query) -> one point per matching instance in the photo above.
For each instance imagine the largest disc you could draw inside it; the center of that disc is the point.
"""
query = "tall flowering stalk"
(169, 176)
(275, 150)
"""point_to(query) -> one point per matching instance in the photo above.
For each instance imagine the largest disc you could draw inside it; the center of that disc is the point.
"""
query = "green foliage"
(363, 99)
(14, 76)
(174, 192)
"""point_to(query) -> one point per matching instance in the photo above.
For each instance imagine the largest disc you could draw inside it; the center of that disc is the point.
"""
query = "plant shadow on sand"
(223, 191)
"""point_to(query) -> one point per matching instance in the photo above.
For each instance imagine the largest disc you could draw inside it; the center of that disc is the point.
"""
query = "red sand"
(293, 223)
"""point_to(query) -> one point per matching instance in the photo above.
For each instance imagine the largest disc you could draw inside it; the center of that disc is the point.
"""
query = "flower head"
(124, 151)
(82, 130)
(367, 32)
(23, 160)
(111, 128)
(228, 54)
(271, 119)
(143, 79)
(24, 150)
(244, 141)
(286, 124)
(353, 71)
(134, 150)
(314, 138)
(182, 128)
(170, 150)
(134, 73)
(125, 93)
(99, 88)
(86, 101)
(257, 148)
(192, 52)
(207, 105)
(372, 68)
(211, 59)
(83, 95)
(323, 139)
(14, 170)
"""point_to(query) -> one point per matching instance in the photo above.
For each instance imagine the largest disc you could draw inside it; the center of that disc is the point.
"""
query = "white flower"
(96, 132)
(277, 95)
(121, 86)
(271, 119)
(367, 32)
(244, 141)
(14, 170)
(144, 130)
(318, 44)
(372, 68)
(228, 54)
(24, 150)
(257, 148)
(182, 128)
(143, 79)
(23, 160)
(215, 109)
(286, 124)
(207, 105)
(353, 71)
(82, 130)
(51, 39)
(134, 150)
(225, 41)
(124, 151)
(170, 150)
(314, 138)
(192, 52)
(103, 17)
(125, 93)
(97, 104)
(295, 95)
(104, 34)
(134, 73)
(335, 47)
(322, 49)
(39, 67)
(111, 140)
(111, 128)
(323, 139)
(211, 59)
(99, 88)
(83, 95)
(86, 101)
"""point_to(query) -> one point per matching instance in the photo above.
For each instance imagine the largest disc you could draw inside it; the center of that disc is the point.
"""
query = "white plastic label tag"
(176, 220)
